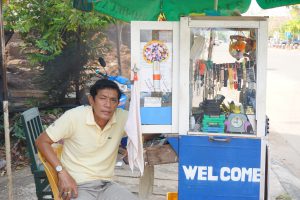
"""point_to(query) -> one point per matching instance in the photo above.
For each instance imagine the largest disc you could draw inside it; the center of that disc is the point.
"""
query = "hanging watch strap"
(230, 76)
(196, 74)
(239, 75)
(244, 74)
(202, 68)
(222, 75)
(225, 75)
(235, 80)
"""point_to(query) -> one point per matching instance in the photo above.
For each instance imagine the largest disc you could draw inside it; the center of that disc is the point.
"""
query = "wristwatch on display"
(58, 168)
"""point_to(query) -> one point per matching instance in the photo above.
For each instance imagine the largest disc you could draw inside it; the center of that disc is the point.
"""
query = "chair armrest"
(57, 149)
(50, 171)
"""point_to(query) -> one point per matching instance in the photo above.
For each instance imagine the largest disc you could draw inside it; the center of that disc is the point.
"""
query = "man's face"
(104, 105)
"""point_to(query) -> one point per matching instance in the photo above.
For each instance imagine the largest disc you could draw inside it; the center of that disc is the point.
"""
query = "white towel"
(197, 48)
(133, 129)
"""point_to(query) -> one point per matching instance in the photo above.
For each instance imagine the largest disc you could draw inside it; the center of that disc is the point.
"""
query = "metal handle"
(213, 139)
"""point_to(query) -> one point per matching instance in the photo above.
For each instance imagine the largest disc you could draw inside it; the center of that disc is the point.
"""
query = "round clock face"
(236, 122)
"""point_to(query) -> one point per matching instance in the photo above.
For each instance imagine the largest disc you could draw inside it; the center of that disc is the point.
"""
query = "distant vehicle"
(296, 43)
(284, 42)
(218, 42)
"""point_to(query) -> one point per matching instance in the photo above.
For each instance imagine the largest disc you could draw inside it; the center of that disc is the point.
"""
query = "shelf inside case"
(223, 80)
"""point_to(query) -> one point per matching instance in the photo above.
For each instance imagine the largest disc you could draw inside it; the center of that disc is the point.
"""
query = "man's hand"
(67, 186)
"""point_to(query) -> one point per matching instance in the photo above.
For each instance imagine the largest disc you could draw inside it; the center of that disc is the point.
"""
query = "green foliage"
(295, 11)
(59, 39)
(17, 127)
(56, 111)
(49, 116)
(45, 25)
(293, 25)
(66, 72)
(32, 102)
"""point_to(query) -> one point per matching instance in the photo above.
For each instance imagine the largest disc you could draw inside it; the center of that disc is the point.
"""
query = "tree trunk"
(77, 75)
(5, 107)
(119, 27)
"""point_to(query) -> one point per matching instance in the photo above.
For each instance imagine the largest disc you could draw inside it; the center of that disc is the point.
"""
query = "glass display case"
(154, 52)
(222, 114)
(226, 78)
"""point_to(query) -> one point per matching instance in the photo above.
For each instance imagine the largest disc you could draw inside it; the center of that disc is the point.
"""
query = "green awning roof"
(148, 10)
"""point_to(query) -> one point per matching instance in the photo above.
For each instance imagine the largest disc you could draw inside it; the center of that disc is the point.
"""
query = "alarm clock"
(238, 123)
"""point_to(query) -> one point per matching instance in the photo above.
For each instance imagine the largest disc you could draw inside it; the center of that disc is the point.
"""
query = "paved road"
(283, 108)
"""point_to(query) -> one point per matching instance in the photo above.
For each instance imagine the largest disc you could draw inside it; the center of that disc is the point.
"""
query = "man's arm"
(66, 184)
(43, 143)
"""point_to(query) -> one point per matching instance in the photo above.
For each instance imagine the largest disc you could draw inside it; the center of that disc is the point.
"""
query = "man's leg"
(89, 190)
(114, 191)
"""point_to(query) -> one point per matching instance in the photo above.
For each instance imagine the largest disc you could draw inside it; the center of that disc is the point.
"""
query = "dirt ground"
(165, 181)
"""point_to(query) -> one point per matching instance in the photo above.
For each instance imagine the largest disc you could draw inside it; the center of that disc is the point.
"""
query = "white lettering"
(189, 172)
(202, 173)
(211, 177)
(246, 172)
(206, 173)
(256, 175)
(236, 174)
(224, 177)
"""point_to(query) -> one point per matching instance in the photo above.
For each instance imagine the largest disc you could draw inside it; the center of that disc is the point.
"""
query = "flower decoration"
(155, 50)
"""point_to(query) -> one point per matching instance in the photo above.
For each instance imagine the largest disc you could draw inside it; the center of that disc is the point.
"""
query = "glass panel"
(223, 80)
(156, 57)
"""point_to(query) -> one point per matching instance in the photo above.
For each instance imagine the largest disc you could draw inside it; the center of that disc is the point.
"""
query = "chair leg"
(43, 196)
(43, 190)
(39, 195)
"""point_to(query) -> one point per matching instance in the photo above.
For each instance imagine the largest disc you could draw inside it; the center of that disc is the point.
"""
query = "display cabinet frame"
(136, 28)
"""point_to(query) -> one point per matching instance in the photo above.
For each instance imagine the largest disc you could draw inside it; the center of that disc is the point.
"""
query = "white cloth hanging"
(198, 47)
(133, 129)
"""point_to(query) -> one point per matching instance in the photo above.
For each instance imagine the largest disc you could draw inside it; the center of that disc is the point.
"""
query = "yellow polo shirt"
(89, 153)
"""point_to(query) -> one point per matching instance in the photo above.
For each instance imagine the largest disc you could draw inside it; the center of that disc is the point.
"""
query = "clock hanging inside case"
(238, 123)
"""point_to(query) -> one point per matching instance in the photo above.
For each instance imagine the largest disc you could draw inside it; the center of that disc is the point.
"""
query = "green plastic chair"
(33, 127)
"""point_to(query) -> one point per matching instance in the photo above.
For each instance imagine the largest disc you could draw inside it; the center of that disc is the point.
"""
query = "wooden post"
(7, 150)
(210, 49)
(5, 108)
(215, 4)
(146, 182)
(212, 34)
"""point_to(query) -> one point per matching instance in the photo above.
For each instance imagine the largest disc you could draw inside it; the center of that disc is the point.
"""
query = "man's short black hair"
(104, 84)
